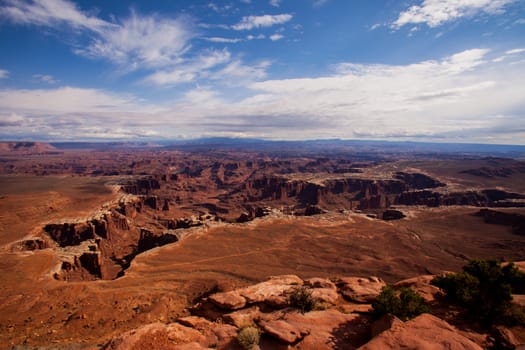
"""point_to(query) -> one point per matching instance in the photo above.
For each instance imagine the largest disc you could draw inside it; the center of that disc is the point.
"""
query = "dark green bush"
(485, 289)
(301, 298)
(405, 304)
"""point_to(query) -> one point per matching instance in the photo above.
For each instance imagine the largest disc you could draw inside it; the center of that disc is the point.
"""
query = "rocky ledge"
(341, 319)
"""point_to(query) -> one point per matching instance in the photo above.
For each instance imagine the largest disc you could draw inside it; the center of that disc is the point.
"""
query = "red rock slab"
(275, 286)
(423, 332)
(421, 284)
(241, 318)
(284, 331)
(325, 295)
(226, 335)
(316, 282)
(228, 300)
(195, 322)
(156, 336)
(329, 329)
(361, 289)
(356, 308)
(384, 323)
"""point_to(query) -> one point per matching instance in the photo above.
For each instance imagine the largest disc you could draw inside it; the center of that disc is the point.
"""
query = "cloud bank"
(465, 96)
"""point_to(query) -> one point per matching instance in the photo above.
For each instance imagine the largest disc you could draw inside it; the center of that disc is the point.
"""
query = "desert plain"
(97, 242)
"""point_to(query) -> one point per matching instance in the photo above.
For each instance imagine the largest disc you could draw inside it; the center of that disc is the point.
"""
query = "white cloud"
(251, 22)
(221, 8)
(3, 74)
(252, 37)
(134, 42)
(275, 37)
(73, 113)
(238, 73)
(216, 39)
(50, 13)
(216, 66)
(275, 3)
(319, 3)
(436, 12)
(509, 53)
(45, 78)
(515, 51)
(464, 97)
(143, 42)
(197, 67)
(456, 98)
(64, 100)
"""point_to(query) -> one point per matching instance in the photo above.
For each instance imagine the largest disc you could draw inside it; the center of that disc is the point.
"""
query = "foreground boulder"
(423, 332)
(228, 300)
(361, 289)
(275, 286)
(271, 292)
(284, 331)
(156, 336)
(190, 333)
(421, 285)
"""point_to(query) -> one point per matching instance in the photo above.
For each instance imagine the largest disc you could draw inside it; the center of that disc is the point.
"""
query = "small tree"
(406, 304)
(485, 289)
(301, 298)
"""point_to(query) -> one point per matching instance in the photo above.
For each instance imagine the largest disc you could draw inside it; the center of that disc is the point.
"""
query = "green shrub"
(485, 289)
(406, 304)
(301, 298)
(248, 337)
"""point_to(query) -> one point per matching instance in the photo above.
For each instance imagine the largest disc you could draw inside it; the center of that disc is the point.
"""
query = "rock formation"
(340, 325)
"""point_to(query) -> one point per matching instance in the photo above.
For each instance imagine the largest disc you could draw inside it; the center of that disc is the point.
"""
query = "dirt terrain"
(94, 243)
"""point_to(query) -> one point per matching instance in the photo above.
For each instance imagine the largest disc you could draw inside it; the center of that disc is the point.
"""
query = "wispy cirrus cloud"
(143, 41)
(437, 12)
(51, 13)
(133, 42)
(319, 3)
(515, 51)
(251, 22)
(237, 73)
(216, 39)
(3, 74)
(218, 66)
(198, 67)
(45, 78)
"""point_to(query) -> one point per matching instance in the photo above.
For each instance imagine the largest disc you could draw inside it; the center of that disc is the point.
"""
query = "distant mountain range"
(327, 147)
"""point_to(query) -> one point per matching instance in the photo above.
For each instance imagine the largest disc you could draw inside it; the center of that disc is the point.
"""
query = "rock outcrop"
(103, 245)
(423, 332)
(333, 327)
(342, 325)
(366, 194)
(360, 290)
(514, 220)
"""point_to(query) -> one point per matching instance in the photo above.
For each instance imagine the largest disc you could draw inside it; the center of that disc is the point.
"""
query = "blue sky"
(422, 70)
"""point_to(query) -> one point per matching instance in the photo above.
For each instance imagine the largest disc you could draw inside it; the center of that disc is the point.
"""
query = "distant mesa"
(26, 147)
